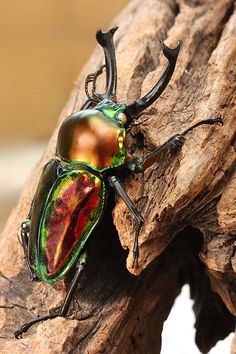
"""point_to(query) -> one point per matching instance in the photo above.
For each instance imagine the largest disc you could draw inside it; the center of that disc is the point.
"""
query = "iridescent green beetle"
(71, 194)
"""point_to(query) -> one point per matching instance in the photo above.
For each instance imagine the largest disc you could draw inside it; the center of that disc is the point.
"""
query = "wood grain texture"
(188, 201)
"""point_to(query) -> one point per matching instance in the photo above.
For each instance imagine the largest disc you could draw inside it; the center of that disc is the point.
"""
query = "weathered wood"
(188, 202)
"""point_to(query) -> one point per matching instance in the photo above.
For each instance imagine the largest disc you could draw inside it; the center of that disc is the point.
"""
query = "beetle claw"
(218, 121)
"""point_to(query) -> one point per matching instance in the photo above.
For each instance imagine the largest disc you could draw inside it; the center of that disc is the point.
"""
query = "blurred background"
(43, 46)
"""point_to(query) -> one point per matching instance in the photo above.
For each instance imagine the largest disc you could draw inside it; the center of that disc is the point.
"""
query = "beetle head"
(113, 111)
(132, 110)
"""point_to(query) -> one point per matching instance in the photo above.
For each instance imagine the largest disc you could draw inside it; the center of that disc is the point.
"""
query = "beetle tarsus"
(63, 310)
(136, 245)
(135, 257)
(210, 121)
(18, 334)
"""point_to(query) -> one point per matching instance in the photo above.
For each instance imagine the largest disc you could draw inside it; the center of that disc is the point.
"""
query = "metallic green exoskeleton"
(71, 194)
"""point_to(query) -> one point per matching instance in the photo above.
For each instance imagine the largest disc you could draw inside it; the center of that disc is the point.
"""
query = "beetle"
(71, 193)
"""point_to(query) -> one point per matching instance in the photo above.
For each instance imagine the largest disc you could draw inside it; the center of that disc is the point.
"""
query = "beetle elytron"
(71, 194)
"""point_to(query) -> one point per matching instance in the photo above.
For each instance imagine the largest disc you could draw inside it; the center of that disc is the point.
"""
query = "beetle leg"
(73, 285)
(114, 182)
(25, 228)
(172, 145)
(140, 164)
(26, 326)
(62, 312)
(136, 246)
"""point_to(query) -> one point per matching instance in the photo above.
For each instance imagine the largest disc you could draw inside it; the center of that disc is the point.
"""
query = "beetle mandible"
(71, 194)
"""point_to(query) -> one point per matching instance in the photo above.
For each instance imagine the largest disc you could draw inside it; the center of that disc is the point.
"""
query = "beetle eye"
(122, 117)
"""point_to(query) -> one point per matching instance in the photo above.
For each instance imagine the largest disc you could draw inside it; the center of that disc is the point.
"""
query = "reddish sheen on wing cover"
(70, 214)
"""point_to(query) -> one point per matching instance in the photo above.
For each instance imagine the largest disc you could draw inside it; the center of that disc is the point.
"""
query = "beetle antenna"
(92, 99)
(134, 109)
(92, 78)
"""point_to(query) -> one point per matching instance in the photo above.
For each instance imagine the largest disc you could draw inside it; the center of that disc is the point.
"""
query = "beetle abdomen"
(72, 209)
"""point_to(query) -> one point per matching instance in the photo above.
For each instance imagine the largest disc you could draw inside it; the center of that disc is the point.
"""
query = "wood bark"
(188, 201)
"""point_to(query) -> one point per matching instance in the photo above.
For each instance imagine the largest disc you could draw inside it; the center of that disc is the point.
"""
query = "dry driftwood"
(188, 201)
